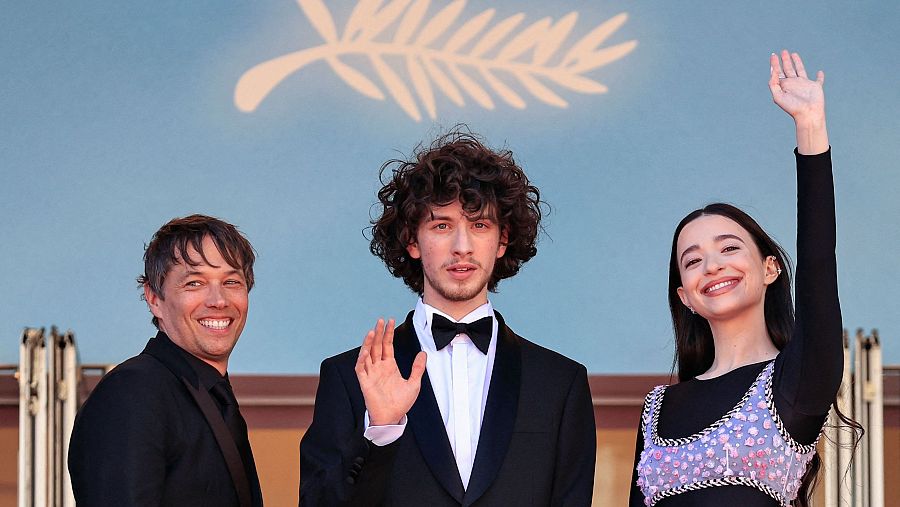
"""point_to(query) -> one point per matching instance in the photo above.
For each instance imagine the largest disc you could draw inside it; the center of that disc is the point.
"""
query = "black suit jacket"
(142, 438)
(537, 445)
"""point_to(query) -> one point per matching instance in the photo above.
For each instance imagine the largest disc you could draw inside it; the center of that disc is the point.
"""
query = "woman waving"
(757, 375)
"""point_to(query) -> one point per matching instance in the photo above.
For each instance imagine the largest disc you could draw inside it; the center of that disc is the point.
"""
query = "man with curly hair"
(451, 407)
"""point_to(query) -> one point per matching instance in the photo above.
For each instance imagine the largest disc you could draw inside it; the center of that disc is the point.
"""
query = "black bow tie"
(444, 330)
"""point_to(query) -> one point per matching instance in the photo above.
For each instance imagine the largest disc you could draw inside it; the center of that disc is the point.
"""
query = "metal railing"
(51, 388)
(855, 471)
(48, 400)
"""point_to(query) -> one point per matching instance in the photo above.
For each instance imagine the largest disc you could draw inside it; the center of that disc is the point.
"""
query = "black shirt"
(208, 376)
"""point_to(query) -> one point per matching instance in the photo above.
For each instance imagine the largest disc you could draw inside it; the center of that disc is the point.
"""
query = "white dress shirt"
(477, 367)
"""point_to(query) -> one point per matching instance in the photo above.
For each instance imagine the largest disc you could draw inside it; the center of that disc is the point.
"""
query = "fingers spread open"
(787, 65)
(774, 75)
(798, 64)
(775, 66)
(365, 358)
(418, 368)
(378, 342)
(387, 352)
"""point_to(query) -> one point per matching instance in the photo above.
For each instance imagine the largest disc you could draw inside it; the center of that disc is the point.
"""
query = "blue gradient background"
(117, 116)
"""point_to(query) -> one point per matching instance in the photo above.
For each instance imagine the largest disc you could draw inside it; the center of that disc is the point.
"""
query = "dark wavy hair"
(171, 243)
(456, 167)
(694, 347)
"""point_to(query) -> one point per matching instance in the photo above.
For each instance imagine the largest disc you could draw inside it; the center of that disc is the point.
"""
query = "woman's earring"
(775, 260)
(691, 308)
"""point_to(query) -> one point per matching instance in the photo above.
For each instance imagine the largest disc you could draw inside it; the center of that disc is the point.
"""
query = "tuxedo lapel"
(499, 413)
(425, 417)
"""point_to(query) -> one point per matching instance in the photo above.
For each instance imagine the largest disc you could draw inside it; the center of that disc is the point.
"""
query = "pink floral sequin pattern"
(747, 446)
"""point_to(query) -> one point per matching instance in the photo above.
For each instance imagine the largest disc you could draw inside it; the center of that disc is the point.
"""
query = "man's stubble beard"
(459, 294)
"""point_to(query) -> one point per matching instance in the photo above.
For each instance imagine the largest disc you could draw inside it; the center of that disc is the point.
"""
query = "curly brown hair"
(456, 167)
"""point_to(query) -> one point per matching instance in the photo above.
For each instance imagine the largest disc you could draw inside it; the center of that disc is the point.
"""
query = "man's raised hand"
(387, 394)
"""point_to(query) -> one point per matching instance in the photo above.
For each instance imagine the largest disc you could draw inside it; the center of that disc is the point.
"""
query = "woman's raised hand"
(802, 98)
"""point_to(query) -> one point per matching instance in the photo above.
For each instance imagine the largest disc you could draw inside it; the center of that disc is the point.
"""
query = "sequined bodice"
(747, 446)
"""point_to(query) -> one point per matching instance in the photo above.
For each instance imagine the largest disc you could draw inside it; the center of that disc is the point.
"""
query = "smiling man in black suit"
(164, 428)
(451, 408)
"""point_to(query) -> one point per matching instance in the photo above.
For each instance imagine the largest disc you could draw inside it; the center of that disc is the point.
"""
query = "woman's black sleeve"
(809, 369)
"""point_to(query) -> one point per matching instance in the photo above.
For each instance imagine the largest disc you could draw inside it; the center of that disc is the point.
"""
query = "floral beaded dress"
(748, 446)
(788, 398)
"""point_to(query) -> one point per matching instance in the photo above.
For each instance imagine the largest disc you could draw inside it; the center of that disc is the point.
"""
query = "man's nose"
(462, 242)
(215, 297)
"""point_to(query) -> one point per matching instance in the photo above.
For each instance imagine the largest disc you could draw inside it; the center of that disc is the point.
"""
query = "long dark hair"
(694, 349)
(694, 346)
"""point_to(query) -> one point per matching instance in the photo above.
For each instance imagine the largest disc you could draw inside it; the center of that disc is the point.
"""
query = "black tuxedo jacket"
(147, 436)
(537, 445)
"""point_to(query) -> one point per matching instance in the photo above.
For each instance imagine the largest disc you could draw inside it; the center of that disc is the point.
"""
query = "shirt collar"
(206, 374)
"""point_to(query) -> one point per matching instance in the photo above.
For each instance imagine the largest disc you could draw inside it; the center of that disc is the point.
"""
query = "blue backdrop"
(117, 116)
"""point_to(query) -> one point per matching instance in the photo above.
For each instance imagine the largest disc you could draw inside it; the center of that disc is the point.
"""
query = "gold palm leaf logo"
(450, 67)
